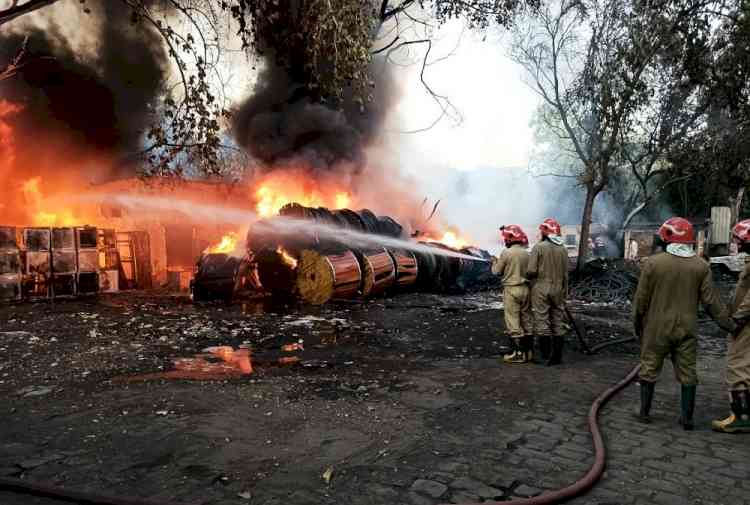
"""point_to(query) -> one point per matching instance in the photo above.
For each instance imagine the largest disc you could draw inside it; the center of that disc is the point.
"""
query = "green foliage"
(326, 45)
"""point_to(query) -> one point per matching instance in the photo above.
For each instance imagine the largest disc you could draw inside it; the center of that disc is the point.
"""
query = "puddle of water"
(220, 363)
(215, 363)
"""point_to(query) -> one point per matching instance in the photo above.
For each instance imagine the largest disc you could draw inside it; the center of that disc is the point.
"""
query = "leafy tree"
(718, 157)
(325, 45)
(622, 81)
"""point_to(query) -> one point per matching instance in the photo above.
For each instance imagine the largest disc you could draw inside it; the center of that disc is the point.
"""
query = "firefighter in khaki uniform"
(738, 353)
(548, 274)
(671, 286)
(512, 265)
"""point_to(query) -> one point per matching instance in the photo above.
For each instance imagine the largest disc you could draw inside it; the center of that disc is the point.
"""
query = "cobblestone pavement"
(419, 410)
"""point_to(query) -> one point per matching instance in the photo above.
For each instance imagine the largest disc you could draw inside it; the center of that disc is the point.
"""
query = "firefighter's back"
(675, 292)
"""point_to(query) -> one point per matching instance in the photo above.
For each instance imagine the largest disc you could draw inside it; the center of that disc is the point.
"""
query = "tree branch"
(15, 10)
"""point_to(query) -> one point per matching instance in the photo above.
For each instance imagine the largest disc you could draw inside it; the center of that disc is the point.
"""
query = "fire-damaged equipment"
(10, 264)
(64, 265)
(38, 266)
(316, 268)
(39, 263)
(221, 276)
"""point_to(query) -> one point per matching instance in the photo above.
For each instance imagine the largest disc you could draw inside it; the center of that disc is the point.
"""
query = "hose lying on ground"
(580, 486)
(73, 495)
(595, 472)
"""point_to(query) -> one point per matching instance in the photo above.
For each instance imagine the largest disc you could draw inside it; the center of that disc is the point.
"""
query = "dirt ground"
(395, 401)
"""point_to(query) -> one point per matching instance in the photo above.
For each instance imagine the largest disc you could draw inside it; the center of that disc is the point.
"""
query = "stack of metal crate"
(37, 281)
(10, 264)
(87, 250)
(45, 262)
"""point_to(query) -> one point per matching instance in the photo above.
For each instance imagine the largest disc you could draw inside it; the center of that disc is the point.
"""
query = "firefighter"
(512, 265)
(671, 285)
(548, 274)
(738, 353)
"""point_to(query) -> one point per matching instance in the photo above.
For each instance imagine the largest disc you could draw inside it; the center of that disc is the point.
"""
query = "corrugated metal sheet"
(721, 218)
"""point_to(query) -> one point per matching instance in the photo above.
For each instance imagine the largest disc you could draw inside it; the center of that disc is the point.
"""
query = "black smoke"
(282, 123)
(97, 102)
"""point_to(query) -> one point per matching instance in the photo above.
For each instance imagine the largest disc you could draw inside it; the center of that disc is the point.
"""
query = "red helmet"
(677, 231)
(513, 234)
(549, 227)
(741, 231)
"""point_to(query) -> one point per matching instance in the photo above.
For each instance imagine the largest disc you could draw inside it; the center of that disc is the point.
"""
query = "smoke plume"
(78, 113)
(281, 124)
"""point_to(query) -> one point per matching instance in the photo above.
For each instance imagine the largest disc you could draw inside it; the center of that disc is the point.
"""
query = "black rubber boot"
(647, 396)
(515, 351)
(527, 343)
(557, 350)
(739, 420)
(687, 406)
(545, 347)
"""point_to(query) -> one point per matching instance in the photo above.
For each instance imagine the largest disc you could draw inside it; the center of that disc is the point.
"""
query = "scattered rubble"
(605, 280)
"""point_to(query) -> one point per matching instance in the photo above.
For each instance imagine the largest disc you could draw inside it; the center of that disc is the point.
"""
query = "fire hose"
(553, 497)
(597, 469)
(72, 495)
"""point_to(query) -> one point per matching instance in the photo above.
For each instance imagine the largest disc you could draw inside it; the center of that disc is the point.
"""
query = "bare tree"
(12, 68)
(593, 63)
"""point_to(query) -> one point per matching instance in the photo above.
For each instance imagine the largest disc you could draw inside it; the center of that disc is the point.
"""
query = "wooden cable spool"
(276, 275)
(389, 227)
(323, 277)
(378, 271)
(406, 267)
(369, 220)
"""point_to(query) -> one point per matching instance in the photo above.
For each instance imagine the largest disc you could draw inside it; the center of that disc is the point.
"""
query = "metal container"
(9, 237)
(721, 225)
(64, 285)
(64, 262)
(88, 261)
(109, 281)
(37, 239)
(63, 238)
(10, 274)
(86, 237)
(87, 283)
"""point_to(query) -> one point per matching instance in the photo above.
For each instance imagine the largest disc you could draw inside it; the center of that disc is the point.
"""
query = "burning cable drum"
(323, 268)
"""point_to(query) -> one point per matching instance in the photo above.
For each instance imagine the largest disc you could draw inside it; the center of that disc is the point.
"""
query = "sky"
(487, 89)
(477, 167)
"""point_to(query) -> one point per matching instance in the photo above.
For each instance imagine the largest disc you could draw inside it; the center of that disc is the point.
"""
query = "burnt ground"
(398, 401)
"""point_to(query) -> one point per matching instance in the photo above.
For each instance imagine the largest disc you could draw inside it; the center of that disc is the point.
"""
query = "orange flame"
(451, 239)
(294, 186)
(288, 258)
(227, 245)
(42, 214)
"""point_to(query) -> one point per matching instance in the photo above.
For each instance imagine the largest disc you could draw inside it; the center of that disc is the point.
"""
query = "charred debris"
(316, 269)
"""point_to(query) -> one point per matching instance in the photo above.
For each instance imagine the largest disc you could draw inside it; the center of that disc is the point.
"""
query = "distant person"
(512, 265)
(671, 286)
(548, 274)
(632, 250)
(738, 349)
(600, 248)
